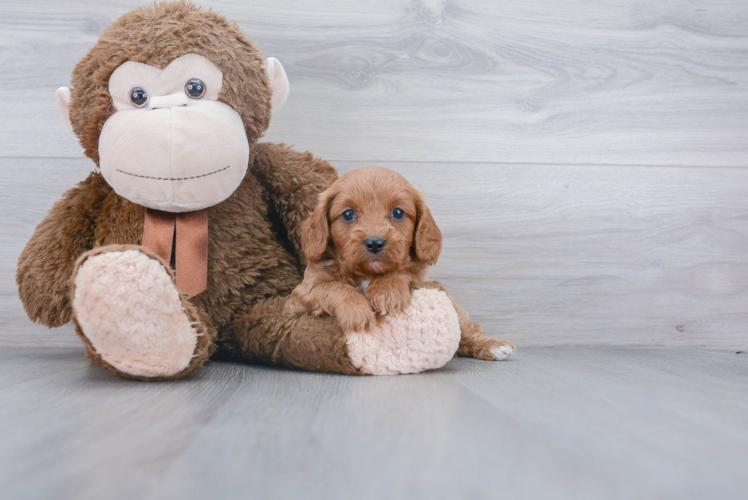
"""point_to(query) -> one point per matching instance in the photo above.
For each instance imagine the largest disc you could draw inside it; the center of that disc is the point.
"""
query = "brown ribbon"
(191, 255)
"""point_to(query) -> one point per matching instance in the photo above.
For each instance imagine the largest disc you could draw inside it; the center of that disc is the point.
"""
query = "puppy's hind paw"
(502, 351)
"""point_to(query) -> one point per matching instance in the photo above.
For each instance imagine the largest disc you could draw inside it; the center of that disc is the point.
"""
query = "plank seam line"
(443, 162)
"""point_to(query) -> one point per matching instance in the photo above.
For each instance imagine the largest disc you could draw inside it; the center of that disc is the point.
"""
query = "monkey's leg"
(267, 333)
(423, 337)
(132, 318)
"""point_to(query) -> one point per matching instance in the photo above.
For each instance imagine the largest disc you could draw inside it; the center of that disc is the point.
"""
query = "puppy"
(368, 241)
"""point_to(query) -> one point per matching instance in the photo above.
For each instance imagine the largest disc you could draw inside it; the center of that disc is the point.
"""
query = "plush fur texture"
(156, 35)
(254, 254)
(399, 345)
(152, 369)
(129, 308)
(254, 247)
(253, 258)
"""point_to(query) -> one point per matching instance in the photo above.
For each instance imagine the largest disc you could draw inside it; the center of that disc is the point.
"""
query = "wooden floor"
(587, 163)
(576, 423)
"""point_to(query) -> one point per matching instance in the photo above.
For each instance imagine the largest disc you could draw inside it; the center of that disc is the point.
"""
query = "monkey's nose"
(375, 244)
(168, 101)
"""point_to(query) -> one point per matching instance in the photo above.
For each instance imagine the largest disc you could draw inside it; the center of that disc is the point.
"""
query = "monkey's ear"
(278, 83)
(63, 103)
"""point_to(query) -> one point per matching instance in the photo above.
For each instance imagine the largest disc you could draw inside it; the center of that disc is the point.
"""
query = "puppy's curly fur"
(369, 240)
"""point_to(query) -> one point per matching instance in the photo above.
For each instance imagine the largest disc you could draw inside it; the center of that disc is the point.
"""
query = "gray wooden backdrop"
(587, 160)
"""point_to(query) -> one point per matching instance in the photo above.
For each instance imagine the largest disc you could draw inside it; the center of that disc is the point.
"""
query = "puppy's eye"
(398, 213)
(138, 97)
(349, 215)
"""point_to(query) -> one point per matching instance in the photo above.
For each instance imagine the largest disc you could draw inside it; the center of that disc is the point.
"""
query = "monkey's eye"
(349, 215)
(398, 213)
(138, 97)
(195, 88)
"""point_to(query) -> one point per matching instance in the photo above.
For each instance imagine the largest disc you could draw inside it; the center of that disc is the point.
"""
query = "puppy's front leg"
(389, 293)
(349, 307)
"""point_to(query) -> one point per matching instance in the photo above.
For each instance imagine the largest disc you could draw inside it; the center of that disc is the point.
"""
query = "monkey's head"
(168, 104)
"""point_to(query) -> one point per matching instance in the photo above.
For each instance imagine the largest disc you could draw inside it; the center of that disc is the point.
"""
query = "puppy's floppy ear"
(315, 234)
(428, 238)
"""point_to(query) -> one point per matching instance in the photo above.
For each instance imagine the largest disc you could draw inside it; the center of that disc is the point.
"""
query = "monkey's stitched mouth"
(173, 178)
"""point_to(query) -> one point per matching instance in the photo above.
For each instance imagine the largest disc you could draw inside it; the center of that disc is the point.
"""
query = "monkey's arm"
(46, 264)
(294, 180)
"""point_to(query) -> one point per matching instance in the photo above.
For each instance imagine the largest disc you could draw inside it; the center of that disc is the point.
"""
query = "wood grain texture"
(538, 254)
(566, 423)
(553, 81)
(585, 160)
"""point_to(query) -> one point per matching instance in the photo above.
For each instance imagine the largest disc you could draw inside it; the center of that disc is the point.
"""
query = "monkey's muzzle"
(175, 156)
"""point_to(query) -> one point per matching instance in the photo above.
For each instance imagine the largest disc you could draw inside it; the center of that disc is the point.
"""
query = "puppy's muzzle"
(375, 245)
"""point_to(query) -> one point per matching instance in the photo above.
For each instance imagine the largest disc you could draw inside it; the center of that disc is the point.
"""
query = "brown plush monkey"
(186, 240)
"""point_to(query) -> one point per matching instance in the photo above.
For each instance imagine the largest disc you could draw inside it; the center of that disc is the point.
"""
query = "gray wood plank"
(552, 423)
(553, 81)
(539, 254)
(95, 430)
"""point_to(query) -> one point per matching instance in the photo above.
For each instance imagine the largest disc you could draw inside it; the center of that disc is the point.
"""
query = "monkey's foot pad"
(423, 337)
(128, 307)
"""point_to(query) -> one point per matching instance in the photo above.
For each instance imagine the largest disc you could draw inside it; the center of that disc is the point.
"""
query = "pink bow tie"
(191, 254)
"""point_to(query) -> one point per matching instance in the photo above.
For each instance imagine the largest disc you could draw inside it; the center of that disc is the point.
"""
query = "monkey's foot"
(133, 319)
(422, 337)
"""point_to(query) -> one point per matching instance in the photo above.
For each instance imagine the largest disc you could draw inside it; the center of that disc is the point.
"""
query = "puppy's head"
(373, 222)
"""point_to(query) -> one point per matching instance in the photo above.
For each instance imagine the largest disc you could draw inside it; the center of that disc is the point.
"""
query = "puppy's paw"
(356, 317)
(502, 351)
(387, 297)
(488, 349)
(294, 305)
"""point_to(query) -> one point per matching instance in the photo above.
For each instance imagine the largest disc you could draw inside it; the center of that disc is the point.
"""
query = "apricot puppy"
(371, 237)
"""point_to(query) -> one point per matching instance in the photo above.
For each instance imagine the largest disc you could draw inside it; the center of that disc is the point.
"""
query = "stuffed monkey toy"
(184, 243)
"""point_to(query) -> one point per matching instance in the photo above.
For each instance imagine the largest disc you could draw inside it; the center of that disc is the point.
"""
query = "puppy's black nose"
(375, 245)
